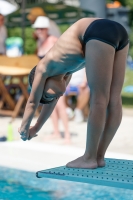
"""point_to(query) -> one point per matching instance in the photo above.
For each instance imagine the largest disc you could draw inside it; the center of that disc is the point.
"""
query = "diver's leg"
(99, 67)
(114, 110)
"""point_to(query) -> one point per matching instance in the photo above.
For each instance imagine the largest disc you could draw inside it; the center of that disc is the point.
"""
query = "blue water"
(23, 185)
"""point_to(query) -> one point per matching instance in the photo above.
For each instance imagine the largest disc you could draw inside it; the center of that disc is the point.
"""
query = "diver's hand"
(29, 134)
(23, 134)
(32, 132)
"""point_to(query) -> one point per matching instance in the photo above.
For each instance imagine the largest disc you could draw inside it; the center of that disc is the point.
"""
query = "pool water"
(22, 185)
(14, 190)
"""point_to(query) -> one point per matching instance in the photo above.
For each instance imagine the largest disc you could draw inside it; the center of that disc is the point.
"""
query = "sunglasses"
(42, 29)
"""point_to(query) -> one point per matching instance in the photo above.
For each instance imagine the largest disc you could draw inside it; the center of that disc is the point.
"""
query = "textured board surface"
(116, 173)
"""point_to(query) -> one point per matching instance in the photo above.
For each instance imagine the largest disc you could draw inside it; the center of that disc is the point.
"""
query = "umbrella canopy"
(7, 7)
(59, 12)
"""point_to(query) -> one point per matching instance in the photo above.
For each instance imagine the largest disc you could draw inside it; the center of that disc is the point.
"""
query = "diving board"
(117, 173)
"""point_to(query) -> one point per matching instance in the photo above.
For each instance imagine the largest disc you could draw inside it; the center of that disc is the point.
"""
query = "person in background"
(36, 12)
(3, 35)
(44, 43)
(78, 85)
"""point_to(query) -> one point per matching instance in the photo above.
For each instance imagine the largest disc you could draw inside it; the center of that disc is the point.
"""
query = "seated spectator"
(36, 12)
(44, 44)
(44, 40)
(3, 35)
(79, 87)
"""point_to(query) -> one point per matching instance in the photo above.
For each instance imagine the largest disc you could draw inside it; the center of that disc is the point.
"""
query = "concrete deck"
(39, 154)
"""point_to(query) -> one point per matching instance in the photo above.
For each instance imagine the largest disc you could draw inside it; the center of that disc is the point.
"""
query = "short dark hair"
(31, 79)
(31, 76)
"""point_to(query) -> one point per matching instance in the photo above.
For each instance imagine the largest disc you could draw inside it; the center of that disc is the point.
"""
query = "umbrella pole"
(23, 23)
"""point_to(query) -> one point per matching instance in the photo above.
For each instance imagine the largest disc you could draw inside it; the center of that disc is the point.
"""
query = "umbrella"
(59, 12)
(8, 6)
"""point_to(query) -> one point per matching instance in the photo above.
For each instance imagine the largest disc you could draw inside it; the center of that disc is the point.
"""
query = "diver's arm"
(46, 111)
(48, 108)
(33, 101)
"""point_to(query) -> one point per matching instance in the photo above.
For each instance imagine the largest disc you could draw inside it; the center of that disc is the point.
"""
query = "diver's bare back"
(67, 54)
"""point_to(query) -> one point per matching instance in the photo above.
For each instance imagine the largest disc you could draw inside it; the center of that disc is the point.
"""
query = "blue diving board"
(117, 173)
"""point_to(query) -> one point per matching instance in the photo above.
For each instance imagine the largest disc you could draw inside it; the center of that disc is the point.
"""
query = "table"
(18, 67)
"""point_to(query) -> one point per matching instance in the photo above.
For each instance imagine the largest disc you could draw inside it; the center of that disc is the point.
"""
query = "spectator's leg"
(61, 107)
(83, 98)
(82, 101)
(55, 121)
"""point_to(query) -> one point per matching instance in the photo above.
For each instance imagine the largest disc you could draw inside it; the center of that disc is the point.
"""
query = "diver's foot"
(101, 162)
(82, 162)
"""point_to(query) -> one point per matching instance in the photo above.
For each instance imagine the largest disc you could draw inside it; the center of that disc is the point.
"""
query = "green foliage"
(30, 43)
(63, 27)
(131, 42)
(14, 32)
(123, 2)
(129, 3)
(128, 77)
(108, 1)
(127, 98)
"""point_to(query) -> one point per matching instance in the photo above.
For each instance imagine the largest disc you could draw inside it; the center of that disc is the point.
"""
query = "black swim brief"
(107, 31)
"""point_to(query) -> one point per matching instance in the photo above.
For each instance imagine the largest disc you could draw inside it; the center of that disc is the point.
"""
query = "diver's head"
(46, 97)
